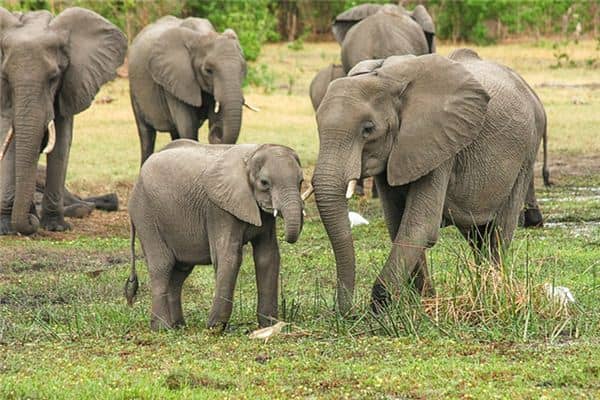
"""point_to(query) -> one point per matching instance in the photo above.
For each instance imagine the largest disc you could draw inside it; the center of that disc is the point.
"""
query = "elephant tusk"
(9, 138)
(351, 187)
(51, 138)
(308, 192)
(304, 213)
(275, 213)
(251, 108)
(217, 107)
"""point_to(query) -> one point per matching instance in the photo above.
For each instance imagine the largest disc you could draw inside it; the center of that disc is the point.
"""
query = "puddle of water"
(587, 229)
(575, 198)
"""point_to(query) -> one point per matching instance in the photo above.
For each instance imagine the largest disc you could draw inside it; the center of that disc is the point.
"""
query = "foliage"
(252, 20)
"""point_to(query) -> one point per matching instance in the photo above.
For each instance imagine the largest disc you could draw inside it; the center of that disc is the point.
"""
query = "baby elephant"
(199, 204)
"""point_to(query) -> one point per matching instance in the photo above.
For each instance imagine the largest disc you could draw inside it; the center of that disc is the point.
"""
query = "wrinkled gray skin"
(450, 141)
(374, 31)
(51, 68)
(319, 84)
(178, 69)
(199, 204)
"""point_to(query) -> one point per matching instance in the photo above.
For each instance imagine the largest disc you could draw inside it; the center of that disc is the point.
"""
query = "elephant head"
(246, 179)
(401, 117)
(50, 67)
(346, 20)
(321, 81)
(187, 62)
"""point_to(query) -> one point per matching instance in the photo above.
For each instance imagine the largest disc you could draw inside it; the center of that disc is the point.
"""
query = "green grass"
(66, 332)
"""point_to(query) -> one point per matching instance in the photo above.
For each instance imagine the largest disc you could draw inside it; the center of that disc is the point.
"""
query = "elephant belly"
(188, 241)
(151, 103)
(480, 187)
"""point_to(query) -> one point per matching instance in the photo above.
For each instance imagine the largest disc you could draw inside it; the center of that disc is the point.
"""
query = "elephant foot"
(216, 326)
(107, 202)
(6, 227)
(380, 298)
(55, 223)
(159, 324)
(532, 218)
(374, 192)
(79, 210)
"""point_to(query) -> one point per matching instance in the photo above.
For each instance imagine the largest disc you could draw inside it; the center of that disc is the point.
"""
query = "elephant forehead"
(31, 38)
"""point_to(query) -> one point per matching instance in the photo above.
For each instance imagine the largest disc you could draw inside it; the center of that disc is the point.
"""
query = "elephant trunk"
(231, 100)
(291, 210)
(329, 181)
(29, 125)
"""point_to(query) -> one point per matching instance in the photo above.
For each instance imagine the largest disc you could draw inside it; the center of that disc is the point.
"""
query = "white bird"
(559, 294)
(266, 333)
(356, 219)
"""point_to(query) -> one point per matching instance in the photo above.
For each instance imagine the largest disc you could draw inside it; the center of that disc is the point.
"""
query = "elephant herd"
(447, 140)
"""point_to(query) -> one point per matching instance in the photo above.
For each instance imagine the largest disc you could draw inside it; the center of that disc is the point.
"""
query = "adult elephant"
(319, 84)
(374, 31)
(51, 69)
(450, 141)
(182, 72)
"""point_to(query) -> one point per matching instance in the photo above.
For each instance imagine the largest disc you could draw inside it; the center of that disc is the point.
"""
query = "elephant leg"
(421, 279)
(179, 274)
(267, 263)
(7, 182)
(507, 218)
(160, 261)
(106, 202)
(532, 217)
(393, 200)
(53, 218)
(228, 251)
(146, 133)
(185, 118)
(418, 230)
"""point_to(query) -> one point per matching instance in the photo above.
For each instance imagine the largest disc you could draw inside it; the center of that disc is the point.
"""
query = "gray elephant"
(182, 72)
(199, 204)
(74, 205)
(374, 31)
(319, 84)
(51, 68)
(449, 141)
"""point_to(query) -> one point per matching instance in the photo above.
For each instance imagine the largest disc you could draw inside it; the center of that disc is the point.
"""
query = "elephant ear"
(422, 17)
(200, 25)
(95, 49)
(346, 20)
(365, 67)
(227, 184)
(442, 111)
(7, 21)
(171, 64)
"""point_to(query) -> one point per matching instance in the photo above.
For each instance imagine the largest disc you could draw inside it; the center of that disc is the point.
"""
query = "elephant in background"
(374, 31)
(74, 206)
(319, 84)
(199, 204)
(182, 72)
(449, 140)
(51, 69)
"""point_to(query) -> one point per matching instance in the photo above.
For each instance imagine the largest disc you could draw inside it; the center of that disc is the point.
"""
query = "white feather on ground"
(266, 333)
(559, 294)
(356, 219)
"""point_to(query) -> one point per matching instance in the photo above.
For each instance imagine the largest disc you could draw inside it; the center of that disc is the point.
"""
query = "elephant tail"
(545, 170)
(132, 284)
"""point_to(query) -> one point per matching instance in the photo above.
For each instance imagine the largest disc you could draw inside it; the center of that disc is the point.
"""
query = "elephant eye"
(208, 70)
(264, 184)
(368, 128)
